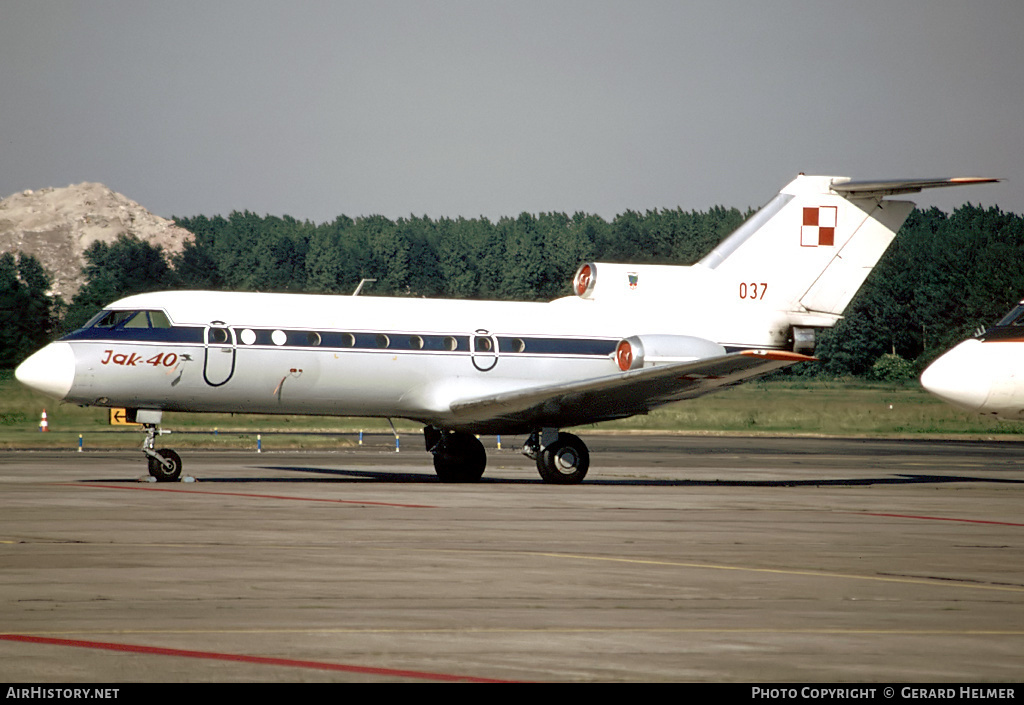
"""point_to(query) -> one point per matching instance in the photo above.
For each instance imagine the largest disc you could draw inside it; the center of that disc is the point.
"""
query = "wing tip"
(779, 355)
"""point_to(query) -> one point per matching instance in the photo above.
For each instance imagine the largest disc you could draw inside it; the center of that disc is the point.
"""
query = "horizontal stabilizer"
(869, 189)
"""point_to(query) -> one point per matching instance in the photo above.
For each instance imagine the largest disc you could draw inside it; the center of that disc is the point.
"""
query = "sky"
(452, 108)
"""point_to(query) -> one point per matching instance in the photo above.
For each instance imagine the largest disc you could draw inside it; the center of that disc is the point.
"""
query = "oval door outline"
(483, 350)
(218, 343)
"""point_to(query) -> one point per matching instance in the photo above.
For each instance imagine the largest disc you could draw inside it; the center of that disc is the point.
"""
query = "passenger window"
(219, 336)
(158, 319)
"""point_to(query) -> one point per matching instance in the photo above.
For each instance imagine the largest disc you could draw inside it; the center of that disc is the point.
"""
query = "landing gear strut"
(164, 464)
(562, 458)
(458, 457)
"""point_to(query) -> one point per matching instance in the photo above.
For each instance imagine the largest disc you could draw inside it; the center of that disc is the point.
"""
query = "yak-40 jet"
(631, 338)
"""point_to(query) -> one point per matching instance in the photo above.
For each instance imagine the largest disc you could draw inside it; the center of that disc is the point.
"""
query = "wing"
(615, 396)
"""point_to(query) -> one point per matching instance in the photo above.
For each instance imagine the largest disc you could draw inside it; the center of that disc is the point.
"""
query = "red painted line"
(912, 516)
(243, 658)
(245, 494)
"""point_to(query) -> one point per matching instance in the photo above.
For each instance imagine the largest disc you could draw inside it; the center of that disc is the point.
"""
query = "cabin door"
(483, 348)
(219, 355)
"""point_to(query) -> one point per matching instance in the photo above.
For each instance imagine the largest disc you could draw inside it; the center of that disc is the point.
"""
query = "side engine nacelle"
(639, 351)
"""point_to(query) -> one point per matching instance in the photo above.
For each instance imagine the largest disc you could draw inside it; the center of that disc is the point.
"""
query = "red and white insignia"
(819, 226)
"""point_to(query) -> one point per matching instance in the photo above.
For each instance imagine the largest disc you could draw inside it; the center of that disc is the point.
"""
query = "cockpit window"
(1014, 317)
(158, 319)
(139, 320)
(131, 319)
(113, 318)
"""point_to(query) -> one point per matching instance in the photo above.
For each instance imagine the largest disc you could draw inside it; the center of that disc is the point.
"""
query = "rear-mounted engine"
(638, 351)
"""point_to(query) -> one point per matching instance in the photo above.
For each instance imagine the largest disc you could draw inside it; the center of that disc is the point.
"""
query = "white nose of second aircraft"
(50, 371)
(963, 376)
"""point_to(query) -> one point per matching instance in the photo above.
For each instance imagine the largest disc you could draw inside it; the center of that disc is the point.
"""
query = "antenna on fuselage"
(360, 287)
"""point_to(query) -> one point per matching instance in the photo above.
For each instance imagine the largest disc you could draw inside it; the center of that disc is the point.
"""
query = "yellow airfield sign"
(119, 417)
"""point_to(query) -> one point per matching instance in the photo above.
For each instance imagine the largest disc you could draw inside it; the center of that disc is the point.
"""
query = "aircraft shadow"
(335, 475)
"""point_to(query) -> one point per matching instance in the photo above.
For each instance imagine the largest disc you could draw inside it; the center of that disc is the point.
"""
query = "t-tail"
(805, 254)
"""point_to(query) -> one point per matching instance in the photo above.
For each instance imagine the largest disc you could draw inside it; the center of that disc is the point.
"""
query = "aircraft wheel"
(160, 471)
(461, 458)
(564, 462)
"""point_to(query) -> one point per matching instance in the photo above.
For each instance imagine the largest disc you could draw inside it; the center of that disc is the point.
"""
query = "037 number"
(753, 291)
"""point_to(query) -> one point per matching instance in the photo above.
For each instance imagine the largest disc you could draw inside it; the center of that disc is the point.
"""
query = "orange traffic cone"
(43, 425)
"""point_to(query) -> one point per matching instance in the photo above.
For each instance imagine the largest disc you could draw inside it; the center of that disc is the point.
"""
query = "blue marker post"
(394, 431)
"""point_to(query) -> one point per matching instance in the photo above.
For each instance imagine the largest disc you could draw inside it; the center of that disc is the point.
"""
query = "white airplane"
(984, 374)
(632, 338)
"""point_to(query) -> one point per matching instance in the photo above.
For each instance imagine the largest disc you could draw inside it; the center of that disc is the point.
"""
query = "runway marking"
(248, 494)
(929, 518)
(542, 630)
(789, 571)
(712, 566)
(244, 658)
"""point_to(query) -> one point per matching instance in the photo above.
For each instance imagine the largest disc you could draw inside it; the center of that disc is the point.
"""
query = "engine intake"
(638, 351)
(606, 280)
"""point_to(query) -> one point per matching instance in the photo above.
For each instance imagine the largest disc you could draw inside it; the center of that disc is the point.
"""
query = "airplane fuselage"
(365, 356)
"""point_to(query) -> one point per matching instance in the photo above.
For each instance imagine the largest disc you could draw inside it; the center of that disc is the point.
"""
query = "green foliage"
(892, 368)
(27, 312)
(531, 257)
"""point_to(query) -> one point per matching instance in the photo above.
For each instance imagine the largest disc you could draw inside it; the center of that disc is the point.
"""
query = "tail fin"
(806, 253)
(810, 248)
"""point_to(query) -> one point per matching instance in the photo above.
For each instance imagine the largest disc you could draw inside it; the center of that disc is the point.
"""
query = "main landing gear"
(458, 457)
(164, 464)
(562, 458)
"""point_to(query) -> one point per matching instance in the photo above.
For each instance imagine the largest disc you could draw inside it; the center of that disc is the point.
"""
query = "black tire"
(161, 472)
(564, 462)
(461, 458)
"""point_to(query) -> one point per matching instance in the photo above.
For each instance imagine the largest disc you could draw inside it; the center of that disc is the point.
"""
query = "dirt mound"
(56, 225)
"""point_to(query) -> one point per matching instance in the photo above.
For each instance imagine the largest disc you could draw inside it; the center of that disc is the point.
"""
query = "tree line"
(943, 277)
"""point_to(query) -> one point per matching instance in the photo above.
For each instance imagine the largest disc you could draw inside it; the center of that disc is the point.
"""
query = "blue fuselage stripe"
(341, 341)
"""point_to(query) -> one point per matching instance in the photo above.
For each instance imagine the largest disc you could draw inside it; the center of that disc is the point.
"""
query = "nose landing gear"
(164, 464)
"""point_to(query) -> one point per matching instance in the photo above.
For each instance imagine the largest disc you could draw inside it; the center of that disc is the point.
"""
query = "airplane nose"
(50, 371)
(960, 377)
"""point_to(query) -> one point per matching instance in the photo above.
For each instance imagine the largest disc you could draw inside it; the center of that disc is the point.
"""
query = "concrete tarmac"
(687, 559)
